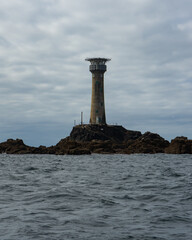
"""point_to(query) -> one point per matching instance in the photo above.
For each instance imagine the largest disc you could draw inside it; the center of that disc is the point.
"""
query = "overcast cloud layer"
(45, 82)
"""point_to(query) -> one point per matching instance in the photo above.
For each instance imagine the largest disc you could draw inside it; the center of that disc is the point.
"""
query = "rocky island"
(103, 139)
(98, 136)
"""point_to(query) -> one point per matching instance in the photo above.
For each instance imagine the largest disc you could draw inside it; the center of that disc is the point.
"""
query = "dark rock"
(67, 146)
(98, 146)
(132, 135)
(17, 146)
(78, 151)
(103, 139)
(40, 150)
(116, 139)
(147, 143)
(180, 145)
(84, 133)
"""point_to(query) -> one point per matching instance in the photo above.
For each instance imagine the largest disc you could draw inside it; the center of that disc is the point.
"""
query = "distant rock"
(147, 143)
(116, 139)
(180, 145)
(17, 146)
(103, 139)
(68, 146)
(115, 133)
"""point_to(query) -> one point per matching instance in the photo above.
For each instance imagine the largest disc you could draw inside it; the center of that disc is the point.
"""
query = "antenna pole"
(81, 118)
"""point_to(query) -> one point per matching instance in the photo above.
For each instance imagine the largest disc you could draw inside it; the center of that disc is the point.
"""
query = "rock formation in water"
(87, 139)
(116, 139)
(12, 146)
(114, 133)
(179, 145)
(17, 146)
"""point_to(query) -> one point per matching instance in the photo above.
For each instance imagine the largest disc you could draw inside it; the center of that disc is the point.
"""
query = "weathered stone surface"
(147, 143)
(116, 139)
(98, 146)
(17, 146)
(179, 145)
(78, 151)
(68, 146)
(84, 133)
(105, 139)
(40, 150)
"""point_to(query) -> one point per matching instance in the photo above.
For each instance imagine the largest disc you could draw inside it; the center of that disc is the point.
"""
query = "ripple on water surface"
(96, 197)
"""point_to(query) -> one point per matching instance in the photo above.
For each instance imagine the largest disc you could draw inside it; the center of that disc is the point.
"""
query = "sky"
(45, 81)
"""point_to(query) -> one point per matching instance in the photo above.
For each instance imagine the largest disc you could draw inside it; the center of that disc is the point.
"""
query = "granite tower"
(97, 68)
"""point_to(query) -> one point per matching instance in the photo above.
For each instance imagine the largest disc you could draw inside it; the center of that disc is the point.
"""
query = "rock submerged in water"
(103, 139)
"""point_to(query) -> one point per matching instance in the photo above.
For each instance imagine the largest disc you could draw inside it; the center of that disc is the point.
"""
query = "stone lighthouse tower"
(97, 68)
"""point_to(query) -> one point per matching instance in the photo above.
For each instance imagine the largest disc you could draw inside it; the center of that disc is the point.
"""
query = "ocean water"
(97, 197)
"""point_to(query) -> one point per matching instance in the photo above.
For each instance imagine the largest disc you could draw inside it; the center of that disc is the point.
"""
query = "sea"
(101, 197)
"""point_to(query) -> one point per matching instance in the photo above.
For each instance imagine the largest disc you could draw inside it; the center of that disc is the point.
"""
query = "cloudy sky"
(45, 83)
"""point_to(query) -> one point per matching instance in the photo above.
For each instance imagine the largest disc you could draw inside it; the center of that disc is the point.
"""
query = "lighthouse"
(97, 68)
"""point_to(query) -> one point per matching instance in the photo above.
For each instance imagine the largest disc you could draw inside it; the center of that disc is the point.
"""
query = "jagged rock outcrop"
(85, 133)
(17, 146)
(68, 146)
(147, 143)
(105, 139)
(116, 139)
(180, 145)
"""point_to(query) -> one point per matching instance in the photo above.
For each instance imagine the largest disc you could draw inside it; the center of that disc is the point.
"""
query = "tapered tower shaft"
(97, 68)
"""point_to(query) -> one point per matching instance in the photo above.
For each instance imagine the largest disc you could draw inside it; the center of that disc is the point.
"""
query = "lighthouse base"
(115, 133)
